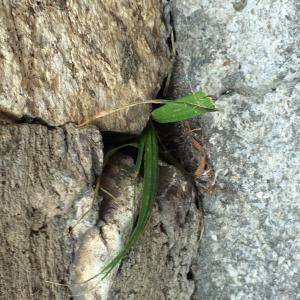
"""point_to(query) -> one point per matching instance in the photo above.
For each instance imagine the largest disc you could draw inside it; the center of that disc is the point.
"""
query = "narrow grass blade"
(108, 112)
(148, 194)
(140, 156)
(184, 108)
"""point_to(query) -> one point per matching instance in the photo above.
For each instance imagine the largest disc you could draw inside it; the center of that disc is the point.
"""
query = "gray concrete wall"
(246, 54)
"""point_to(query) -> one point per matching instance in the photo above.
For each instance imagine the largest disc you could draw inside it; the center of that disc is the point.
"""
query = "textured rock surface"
(47, 178)
(66, 61)
(159, 265)
(246, 54)
(99, 244)
(51, 228)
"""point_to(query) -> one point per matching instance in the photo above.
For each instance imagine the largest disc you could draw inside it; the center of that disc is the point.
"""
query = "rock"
(67, 61)
(158, 267)
(98, 245)
(245, 53)
(47, 178)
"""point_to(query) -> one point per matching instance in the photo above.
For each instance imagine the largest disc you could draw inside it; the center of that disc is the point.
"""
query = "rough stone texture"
(159, 265)
(246, 54)
(65, 61)
(97, 245)
(45, 176)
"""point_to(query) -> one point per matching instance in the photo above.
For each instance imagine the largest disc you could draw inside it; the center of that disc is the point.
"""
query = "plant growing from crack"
(171, 111)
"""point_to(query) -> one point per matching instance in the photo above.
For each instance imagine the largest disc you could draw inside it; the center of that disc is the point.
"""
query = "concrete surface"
(246, 54)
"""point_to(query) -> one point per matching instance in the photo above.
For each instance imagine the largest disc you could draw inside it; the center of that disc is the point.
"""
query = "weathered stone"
(67, 61)
(47, 178)
(246, 54)
(98, 245)
(159, 265)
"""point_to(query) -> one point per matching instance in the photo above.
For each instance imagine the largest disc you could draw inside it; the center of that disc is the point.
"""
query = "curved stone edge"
(97, 246)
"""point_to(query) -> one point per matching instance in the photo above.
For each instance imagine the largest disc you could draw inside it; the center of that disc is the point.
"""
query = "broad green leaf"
(184, 108)
(149, 150)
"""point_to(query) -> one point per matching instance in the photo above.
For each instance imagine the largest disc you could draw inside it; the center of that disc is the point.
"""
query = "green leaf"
(141, 149)
(149, 150)
(184, 108)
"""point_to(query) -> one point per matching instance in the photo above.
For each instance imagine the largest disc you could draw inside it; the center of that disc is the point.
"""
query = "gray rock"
(67, 61)
(53, 230)
(245, 53)
(158, 267)
(47, 178)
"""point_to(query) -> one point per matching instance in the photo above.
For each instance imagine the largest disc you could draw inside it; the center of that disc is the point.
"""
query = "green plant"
(171, 111)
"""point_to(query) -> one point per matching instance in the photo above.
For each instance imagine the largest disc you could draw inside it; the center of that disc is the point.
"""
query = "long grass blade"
(140, 155)
(115, 110)
(148, 194)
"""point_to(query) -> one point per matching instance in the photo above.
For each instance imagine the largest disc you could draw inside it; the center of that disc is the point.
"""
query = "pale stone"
(97, 245)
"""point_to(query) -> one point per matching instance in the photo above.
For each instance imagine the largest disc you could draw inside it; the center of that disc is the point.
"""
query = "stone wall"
(61, 63)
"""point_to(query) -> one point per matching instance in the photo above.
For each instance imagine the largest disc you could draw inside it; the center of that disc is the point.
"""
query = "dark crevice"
(26, 119)
(163, 228)
(190, 275)
(227, 92)
(8, 118)
(117, 138)
(198, 202)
